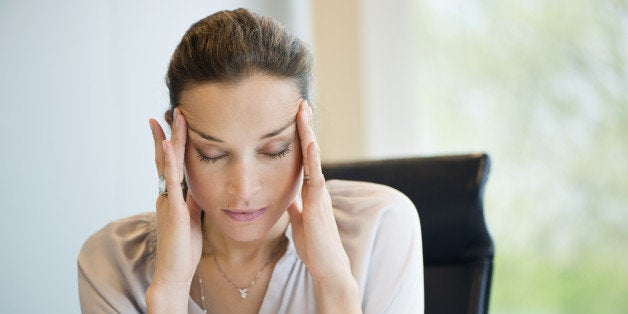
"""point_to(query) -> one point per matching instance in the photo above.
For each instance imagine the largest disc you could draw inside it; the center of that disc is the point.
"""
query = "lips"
(245, 215)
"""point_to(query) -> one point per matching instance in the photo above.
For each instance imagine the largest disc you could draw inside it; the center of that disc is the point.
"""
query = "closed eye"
(280, 154)
(209, 160)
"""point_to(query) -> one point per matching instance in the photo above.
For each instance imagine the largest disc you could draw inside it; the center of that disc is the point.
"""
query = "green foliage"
(526, 284)
(543, 87)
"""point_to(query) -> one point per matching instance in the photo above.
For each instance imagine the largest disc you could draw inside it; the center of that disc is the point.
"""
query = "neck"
(235, 252)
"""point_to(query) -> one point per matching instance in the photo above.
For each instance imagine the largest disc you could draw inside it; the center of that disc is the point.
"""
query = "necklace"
(243, 290)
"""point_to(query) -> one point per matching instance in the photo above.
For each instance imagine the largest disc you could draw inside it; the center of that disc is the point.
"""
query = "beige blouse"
(380, 232)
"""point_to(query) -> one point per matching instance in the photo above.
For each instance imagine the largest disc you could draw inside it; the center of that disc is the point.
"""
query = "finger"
(315, 186)
(158, 137)
(305, 134)
(175, 194)
(178, 139)
(310, 121)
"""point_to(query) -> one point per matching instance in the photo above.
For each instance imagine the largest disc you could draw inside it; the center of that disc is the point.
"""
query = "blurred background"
(542, 86)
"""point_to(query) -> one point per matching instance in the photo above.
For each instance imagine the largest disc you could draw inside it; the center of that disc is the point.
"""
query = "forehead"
(236, 111)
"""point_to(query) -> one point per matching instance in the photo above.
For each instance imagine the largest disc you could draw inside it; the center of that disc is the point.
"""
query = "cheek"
(199, 177)
(292, 173)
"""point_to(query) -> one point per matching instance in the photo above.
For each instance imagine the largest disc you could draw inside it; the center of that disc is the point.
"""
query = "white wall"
(78, 82)
(390, 45)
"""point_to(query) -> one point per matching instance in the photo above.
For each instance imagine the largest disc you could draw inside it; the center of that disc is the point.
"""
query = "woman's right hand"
(179, 236)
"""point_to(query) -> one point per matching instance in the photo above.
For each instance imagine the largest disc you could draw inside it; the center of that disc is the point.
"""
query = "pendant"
(243, 292)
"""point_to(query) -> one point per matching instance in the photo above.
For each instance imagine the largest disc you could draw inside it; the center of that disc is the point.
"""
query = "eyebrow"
(268, 135)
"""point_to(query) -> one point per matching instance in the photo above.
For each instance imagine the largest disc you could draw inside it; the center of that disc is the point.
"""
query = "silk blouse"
(379, 228)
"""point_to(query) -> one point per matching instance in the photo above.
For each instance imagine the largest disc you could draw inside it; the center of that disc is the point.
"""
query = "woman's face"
(243, 155)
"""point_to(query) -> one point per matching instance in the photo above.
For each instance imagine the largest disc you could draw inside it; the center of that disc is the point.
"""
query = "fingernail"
(306, 112)
(163, 145)
(303, 112)
(310, 118)
(150, 123)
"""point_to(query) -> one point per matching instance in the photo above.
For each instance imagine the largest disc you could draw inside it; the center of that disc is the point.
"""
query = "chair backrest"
(457, 247)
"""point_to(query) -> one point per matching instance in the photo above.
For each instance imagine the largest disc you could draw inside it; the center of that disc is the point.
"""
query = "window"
(543, 87)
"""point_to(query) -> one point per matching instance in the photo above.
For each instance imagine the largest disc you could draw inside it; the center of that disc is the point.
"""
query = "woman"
(245, 221)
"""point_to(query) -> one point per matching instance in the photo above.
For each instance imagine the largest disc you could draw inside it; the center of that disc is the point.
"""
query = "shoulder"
(122, 238)
(381, 233)
(368, 213)
(117, 262)
(365, 201)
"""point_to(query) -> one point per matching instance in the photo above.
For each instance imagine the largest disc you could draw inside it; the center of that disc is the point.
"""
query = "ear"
(168, 117)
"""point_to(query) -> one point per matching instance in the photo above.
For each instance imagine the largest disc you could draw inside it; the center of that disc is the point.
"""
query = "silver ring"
(161, 185)
(306, 177)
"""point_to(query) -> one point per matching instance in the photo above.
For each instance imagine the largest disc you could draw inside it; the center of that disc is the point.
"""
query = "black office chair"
(457, 248)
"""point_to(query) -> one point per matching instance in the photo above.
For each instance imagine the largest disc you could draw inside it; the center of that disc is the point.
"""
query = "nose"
(243, 181)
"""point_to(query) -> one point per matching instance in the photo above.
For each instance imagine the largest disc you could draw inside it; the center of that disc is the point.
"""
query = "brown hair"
(229, 46)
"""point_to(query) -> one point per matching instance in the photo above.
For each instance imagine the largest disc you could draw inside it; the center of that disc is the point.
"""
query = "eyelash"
(278, 155)
(209, 160)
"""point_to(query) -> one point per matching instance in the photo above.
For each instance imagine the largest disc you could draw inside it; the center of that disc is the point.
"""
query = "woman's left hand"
(314, 230)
